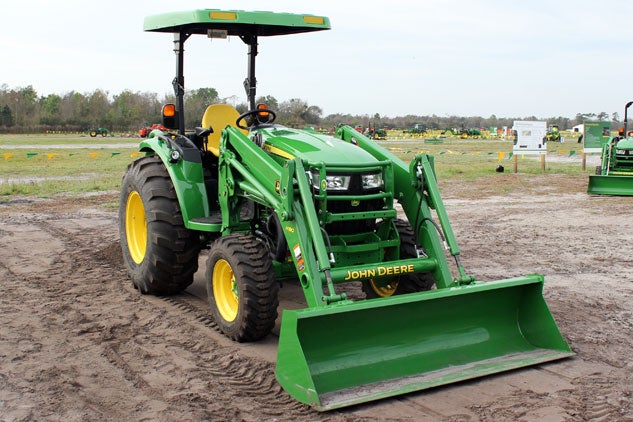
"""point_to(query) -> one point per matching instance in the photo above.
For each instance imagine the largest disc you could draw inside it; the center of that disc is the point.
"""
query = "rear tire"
(241, 287)
(160, 254)
(403, 284)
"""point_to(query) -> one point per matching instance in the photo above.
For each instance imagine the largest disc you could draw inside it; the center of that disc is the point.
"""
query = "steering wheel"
(271, 118)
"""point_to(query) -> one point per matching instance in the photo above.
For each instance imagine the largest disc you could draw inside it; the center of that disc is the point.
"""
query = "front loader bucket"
(610, 185)
(357, 352)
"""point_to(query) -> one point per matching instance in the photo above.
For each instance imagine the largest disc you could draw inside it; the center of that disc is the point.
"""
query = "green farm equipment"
(473, 133)
(614, 176)
(553, 134)
(99, 131)
(417, 129)
(462, 133)
(276, 204)
(376, 133)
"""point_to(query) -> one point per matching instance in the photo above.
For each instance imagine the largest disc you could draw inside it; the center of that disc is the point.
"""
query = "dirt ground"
(77, 342)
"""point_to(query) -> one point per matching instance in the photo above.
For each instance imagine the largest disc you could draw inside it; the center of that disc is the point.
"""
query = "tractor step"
(214, 218)
(213, 222)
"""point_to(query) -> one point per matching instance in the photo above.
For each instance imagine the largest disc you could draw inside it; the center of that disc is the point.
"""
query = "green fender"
(186, 176)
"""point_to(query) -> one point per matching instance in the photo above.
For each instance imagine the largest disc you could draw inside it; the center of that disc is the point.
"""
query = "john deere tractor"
(462, 133)
(278, 205)
(614, 175)
(99, 131)
(553, 134)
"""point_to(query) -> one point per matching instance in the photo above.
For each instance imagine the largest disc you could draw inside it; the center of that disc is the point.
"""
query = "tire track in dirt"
(79, 343)
(64, 308)
(144, 340)
(257, 378)
(609, 405)
(587, 265)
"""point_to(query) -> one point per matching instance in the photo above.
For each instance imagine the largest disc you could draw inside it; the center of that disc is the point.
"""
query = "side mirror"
(170, 116)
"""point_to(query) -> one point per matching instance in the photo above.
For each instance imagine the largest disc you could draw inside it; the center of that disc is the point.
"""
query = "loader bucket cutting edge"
(610, 185)
(352, 353)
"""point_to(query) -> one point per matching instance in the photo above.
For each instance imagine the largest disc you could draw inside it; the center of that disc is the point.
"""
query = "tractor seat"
(217, 117)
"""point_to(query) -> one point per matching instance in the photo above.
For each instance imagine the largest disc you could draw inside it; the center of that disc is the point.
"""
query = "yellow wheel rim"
(135, 227)
(225, 290)
(384, 290)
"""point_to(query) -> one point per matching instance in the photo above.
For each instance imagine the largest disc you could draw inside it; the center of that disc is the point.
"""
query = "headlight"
(622, 151)
(335, 182)
(372, 181)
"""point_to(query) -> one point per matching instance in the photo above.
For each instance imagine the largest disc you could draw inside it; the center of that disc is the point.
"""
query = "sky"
(512, 58)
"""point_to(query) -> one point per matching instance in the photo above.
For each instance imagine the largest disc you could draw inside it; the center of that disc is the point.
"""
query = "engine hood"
(311, 146)
(625, 143)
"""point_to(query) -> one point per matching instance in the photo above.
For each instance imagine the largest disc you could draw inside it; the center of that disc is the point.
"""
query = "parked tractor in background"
(462, 133)
(614, 175)
(472, 133)
(98, 131)
(375, 133)
(145, 131)
(277, 205)
(417, 129)
(553, 134)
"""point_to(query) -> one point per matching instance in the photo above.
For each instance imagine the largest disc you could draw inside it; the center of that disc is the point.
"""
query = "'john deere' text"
(379, 272)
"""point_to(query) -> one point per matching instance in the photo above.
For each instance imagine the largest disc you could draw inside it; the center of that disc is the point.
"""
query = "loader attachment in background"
(356, 352)
(610, 185)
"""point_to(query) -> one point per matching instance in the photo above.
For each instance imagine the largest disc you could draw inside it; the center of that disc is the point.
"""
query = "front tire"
(241, 287)
(403, 284)
(160, 254)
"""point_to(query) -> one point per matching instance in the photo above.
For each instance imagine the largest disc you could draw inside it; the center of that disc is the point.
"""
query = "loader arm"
(352, 352)
(285, 190)
(248, 171)
(417, 191)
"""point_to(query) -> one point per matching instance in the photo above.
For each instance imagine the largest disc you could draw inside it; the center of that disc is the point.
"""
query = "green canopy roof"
(235, 22)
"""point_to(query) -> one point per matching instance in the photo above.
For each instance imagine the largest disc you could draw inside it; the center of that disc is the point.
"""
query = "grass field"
(49, 139)
(45, 165)
(470, 159)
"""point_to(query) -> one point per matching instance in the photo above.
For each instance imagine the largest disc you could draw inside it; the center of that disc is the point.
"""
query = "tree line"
(23, 110)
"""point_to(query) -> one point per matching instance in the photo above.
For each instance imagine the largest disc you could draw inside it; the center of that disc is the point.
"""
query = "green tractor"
(373, 132)
(614, 176)
(417, 129)
(98, 131)
(462, 133)
(553, 134)
(472, 133)
(276, 205)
